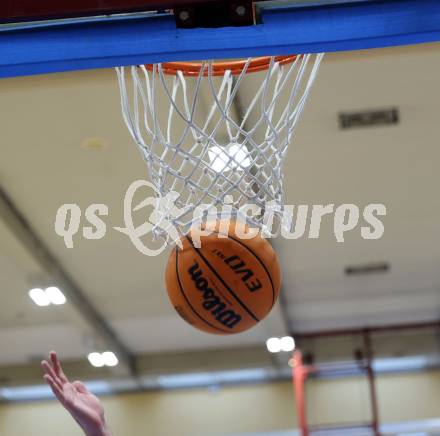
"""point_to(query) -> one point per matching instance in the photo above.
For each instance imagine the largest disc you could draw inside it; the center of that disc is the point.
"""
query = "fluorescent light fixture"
(191, 380)
(175, 381)
(39, 297)
(287, 343)
(407, 363)
(99, 387)
(55, 296)
(170, 381)
(413, 434)
(243, 375)
(43, 392)
(273, 345)
(234, 156)
(26, 393)
(96, 360)
(110, 358)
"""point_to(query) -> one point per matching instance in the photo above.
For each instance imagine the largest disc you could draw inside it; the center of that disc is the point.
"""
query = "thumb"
(80, 387)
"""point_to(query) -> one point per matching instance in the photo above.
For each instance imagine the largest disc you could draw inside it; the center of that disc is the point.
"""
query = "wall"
(402, 397)
(237, 409)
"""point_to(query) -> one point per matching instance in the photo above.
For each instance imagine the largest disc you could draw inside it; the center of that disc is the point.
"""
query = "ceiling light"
(273, 345)
(96, 360)
(110, 358)
(39, 297)
(55, 296)
(287, 343)
(229, 158)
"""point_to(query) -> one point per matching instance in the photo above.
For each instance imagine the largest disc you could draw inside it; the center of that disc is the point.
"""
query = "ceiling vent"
(369, 118)
(368, 268)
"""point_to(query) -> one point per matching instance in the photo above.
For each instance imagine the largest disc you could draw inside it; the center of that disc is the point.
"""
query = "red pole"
(299, 377)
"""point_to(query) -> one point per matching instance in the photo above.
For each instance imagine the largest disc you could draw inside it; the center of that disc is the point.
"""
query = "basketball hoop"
(220, 68)
(217, 133)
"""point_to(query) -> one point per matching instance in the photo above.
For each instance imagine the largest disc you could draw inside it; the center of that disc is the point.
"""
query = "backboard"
(87, 34)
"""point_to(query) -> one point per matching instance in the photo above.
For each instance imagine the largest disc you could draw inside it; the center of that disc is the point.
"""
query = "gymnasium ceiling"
(45, 120)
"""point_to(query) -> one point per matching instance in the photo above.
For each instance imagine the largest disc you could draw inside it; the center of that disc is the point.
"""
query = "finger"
(55, 389)
(50, 381)
(49, 371)
(57, 367)
(80, 387)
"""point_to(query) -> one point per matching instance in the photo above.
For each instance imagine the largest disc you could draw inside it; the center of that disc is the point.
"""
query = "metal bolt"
(184, 15)
(241, 10)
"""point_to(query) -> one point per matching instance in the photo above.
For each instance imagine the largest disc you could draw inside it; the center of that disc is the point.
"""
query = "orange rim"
(219, 68)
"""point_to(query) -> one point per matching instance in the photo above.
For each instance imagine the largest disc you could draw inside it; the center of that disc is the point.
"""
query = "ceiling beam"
(277, 322)
(20, 227)
(423, 325)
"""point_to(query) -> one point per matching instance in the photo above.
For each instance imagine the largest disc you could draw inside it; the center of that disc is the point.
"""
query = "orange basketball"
(227, 285)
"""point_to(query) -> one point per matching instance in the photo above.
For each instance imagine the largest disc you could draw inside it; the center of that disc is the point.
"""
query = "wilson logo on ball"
(212, 302)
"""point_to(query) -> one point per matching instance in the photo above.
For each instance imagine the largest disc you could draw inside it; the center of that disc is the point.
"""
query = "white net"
(216, 140)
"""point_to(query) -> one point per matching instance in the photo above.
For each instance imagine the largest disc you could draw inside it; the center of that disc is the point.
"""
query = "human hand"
(84, 407)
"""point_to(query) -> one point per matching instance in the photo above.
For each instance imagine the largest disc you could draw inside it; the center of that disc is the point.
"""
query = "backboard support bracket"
(29, 10)
(215, 14)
